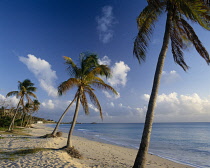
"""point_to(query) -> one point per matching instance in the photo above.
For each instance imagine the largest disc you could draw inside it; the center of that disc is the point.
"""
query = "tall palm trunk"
(61, 118)
(13, 119)
(69, 141)
(140, 160)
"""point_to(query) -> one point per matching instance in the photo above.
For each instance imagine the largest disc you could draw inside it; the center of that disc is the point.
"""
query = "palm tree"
(177, 31)
(31, 108)
(26, 89)
(85, 78)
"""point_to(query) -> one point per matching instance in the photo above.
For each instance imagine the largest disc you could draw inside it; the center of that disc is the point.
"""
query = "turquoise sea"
(186, 143)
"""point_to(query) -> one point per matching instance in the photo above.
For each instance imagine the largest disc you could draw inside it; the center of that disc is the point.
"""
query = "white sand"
(95, 154)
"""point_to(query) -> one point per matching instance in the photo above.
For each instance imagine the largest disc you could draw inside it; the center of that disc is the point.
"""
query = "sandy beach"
(95, 154)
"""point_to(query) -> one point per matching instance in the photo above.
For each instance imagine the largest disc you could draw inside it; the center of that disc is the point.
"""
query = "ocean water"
(186, 143)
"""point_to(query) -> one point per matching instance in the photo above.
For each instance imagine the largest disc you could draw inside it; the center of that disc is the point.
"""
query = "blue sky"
(35, 35)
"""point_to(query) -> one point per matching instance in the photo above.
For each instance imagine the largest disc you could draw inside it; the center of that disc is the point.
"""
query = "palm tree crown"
(86, 77)
(181, 33)
(26, 89)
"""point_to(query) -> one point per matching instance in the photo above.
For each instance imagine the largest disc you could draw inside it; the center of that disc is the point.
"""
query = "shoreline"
(133, 148)
(95, 154)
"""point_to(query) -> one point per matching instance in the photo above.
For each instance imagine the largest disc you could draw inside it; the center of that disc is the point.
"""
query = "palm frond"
(156, 3)
(104, 86)
(31, 89)
(177, 44)
(31, 94)
(146, 23)
(20, 94)
(28, 97)
(26, 83)
(96, 79)
(66, 85)
(95, 101)
(88, 62)
(72, 68)
(36, 105)
(195, 41)
(195, 10)
(102, 70)
(84, 102)
(12, 93)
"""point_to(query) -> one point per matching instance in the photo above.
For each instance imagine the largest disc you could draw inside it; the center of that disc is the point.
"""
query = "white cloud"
(105, 23)
(119, 74)
(43, 72)
(111, 95)
(174, 107)
(48, 104)
(105, 61)
(112, 104)
(93, 107)
(9, 101)
(170, 77)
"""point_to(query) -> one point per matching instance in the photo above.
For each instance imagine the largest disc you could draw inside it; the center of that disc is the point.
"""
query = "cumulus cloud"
(119, 74)
(105, 24)
(170, 77)
(9, 101)
(56, 104)
(105, 61)
(124, 113)
(48, 104)
(43, 72)
(175, 107)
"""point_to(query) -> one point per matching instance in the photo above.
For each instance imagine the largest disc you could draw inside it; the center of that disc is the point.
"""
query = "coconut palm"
(85, 78)
(177, 31)
(26, 89)
(31, 108)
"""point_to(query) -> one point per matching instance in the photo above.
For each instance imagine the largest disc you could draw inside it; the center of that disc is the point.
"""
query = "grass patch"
(23, 152)
(9, 158)
(73, 152)
(16, 131)
(48, 136)
(58, 134)
(3, 129)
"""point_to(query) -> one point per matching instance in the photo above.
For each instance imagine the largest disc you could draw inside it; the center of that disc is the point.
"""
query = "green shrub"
(5, 121)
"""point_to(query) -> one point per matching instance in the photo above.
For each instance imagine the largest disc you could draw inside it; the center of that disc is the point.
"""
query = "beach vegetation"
(28, 151)
(26, 89)
(48, 136)
(179, 33)
(5, 121)
(31, 108)
(85, 77)
(73, 152)
(13, 155)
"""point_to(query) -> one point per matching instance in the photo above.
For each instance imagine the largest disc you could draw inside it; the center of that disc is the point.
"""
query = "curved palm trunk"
(69, 142)
(61, 118)
(13, 119)
(140, 160)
